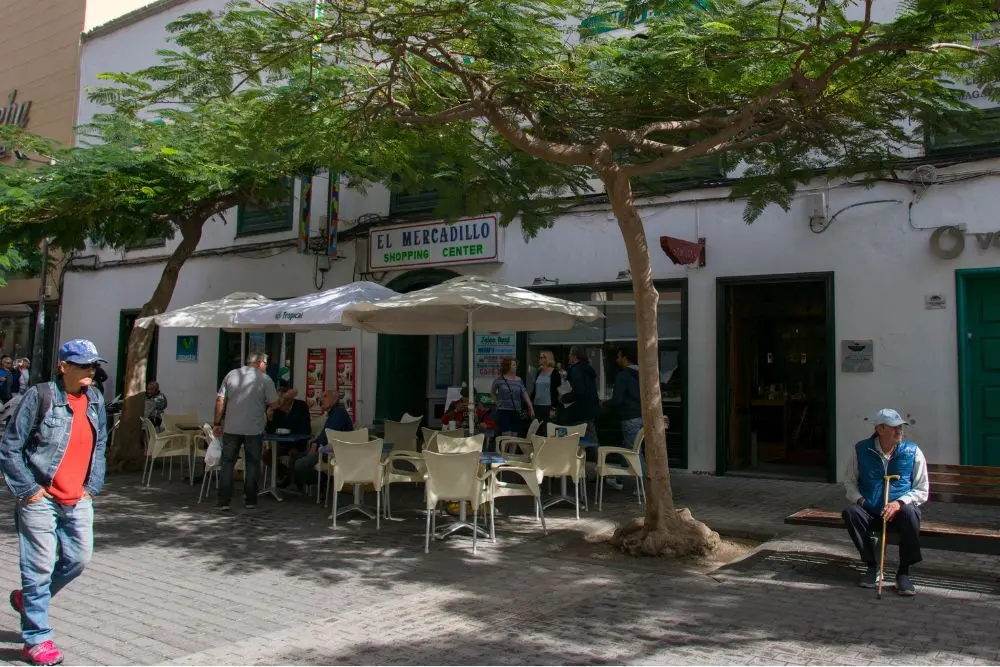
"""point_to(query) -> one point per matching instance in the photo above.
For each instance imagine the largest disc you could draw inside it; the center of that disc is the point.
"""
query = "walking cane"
(885, 524)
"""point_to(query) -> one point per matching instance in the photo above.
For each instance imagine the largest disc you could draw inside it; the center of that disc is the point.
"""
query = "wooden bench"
(979, 485)
(951, 484)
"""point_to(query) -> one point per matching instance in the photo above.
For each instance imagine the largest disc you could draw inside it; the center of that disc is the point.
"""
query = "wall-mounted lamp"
(624, 275)
(541, 280)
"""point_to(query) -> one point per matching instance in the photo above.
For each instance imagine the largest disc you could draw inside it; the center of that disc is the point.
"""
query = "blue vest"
(872, 468)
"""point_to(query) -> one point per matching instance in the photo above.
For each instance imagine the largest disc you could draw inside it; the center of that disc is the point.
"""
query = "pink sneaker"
(45, 653)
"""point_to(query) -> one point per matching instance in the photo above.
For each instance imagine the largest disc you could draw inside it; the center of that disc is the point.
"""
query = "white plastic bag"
(213, 455)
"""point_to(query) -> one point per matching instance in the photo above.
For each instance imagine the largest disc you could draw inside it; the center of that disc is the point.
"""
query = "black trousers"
(860, 523)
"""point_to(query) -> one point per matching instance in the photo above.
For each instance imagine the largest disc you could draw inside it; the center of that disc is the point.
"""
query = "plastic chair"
(551, 431)
(454, 477)
(428, 435)
(507, 445)
(633, 468)
(163, 446)
(325, 461)
(402, 435)
(357, 463)
(561, 457)
(458, 445)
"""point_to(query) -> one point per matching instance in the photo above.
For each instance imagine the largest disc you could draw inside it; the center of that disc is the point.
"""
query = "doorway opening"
(126, 322)
(415, 371)
(280, 360)
(776, 384)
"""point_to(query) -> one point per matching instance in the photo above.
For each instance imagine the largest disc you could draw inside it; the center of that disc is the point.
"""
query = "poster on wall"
(315, 374)
(345, 378)
(187, 348)
(490, 350)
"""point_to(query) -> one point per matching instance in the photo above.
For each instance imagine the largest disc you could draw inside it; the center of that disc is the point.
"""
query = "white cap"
(889, 417)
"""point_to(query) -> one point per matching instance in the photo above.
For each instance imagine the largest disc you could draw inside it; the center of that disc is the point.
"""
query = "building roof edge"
(131, 18)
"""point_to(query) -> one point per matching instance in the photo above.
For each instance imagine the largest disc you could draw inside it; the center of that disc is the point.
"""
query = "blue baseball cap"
(889, 418)
(80, 352)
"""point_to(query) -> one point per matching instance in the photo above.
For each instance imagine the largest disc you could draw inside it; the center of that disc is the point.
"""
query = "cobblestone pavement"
(172, 582)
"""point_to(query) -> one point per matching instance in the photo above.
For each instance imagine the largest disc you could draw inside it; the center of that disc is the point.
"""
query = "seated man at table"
(337, 419)
(292, 415)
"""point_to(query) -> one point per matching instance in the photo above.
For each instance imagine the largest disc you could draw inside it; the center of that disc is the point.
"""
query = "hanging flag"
(305, 200)
(333, 216)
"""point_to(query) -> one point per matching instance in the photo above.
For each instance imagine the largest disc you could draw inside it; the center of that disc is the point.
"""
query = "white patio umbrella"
(467, 303)
(320, 310)
(215, 314)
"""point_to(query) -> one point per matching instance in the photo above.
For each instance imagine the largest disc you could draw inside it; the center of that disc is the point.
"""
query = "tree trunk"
(664, 530)
(128, 453)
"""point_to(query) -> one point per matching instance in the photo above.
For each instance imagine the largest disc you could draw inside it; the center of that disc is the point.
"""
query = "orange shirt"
(67, 485)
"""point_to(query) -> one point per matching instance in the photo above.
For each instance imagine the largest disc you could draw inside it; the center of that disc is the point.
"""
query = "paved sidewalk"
(172, 582)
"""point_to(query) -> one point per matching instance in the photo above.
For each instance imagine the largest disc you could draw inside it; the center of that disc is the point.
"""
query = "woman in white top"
(545, 393)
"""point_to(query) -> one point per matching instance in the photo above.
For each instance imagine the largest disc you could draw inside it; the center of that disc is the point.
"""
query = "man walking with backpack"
(52, 458)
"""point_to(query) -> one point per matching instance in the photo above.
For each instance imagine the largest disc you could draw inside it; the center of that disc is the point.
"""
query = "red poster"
(315, 374)
(346, 372)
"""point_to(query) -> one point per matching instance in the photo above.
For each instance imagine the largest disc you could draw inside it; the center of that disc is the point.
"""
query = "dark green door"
(981, 376)
(126, 322)
(402, 376)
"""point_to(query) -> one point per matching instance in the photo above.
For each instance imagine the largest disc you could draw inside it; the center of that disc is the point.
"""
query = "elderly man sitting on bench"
(884, 455)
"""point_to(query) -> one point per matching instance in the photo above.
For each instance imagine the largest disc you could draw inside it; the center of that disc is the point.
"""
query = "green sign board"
(187, 348)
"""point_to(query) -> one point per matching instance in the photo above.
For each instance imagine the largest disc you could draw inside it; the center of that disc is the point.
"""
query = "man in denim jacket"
(52, 458)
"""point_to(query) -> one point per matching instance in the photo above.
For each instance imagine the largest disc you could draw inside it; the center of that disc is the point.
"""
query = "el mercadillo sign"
(15, 113)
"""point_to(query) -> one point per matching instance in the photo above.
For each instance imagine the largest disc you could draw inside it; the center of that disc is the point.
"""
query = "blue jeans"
(56, 543)
(253, 446)
(630, 429)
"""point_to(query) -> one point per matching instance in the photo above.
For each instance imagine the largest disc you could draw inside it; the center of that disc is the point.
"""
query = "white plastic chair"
(428, 435)
(324, 462)
(163, 446)
(454, 477)
(551, 431)
(201, 442)
(169, 425)
(402, 435)
(562, 457)
(357, 463)
(508, 445)
(530, 486)
(632, 468)
(445, 444)
(407, 418)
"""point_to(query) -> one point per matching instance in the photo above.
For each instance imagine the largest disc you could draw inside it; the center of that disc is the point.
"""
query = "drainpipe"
(38, 349)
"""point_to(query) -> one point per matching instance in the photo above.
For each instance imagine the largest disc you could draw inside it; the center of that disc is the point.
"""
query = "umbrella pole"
(472, 390)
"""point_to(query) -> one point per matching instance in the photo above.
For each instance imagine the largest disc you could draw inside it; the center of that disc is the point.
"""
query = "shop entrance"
(406, 381)
(776, 380)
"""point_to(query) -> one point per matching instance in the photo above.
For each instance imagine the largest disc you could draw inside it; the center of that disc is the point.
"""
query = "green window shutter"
(402, 203)
(981, 136)
(278, 217)
(707, 168)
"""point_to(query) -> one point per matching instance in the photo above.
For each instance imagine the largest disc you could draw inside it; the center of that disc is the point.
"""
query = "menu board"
(315, 374)
(346, 372)
(490, 350)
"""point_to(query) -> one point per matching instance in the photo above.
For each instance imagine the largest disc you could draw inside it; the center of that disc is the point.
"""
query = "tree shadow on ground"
(518, 602)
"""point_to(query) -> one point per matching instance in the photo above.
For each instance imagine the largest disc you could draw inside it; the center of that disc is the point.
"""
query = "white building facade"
(773, 353)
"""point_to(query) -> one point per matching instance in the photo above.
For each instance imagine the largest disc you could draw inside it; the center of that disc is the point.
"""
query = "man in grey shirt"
(244, 397)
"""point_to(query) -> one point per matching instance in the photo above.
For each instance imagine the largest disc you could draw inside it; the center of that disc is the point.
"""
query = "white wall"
(882, 264)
